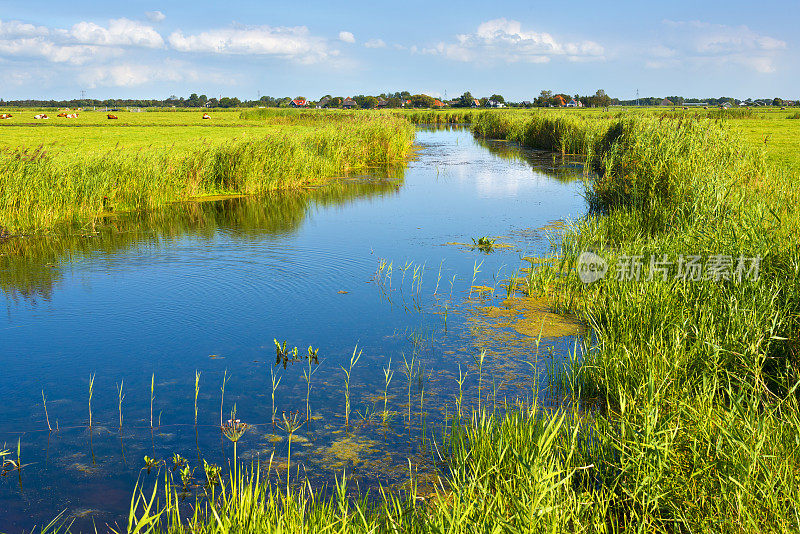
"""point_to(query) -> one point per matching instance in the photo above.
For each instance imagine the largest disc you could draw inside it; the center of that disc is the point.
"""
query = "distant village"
(405, 99)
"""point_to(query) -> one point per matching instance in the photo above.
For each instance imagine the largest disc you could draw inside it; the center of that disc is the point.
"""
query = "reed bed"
(44, 186)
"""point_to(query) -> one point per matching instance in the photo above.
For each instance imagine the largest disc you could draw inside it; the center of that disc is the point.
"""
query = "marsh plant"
(290, 425)
(46, 416)
(275, 384)
(152, 396)
(484, 244)
(307, 374)
(408, 370)
(120, 398)
(347, 373)
(387, 377)
(196, 393)
(91, 393)
(234, 429)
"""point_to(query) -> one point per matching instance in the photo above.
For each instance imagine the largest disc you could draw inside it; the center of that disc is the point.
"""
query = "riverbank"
(692, 382)
(150, 159)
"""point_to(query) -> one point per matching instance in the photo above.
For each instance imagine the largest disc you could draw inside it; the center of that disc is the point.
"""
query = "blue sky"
(155, 48)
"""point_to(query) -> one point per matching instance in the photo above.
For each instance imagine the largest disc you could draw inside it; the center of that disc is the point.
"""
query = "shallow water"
(208, 286)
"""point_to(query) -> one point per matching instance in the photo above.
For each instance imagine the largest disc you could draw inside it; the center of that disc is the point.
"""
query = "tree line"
(546, 98)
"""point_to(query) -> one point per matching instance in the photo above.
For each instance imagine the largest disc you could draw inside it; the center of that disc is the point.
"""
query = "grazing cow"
(72, 115)
(41, 116)
(110, 116)
(62, 114)
(206, 116)
(6, 116)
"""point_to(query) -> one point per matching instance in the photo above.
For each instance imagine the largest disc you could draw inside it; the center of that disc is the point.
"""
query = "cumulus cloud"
(119, 32)
(295, 42)
(375, 43)
(83, 43)
(347, 37)
(699, 44)
(505, 40)
(155, 16)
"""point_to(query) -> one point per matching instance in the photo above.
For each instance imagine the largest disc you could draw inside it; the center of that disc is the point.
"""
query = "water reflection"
(30, 266)
(206, 287)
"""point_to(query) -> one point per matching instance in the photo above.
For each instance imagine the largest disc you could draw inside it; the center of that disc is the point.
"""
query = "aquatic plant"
(120, 398)
(196, 392)
(484, 244)
(387, 377)
(307, 374)
(46, 416)
(222, 395)
(234, 429)
(290, 426)
(347, 372)
(91, 392)
(150, 463)
(152, 396)
(275, 384)
(408, 370)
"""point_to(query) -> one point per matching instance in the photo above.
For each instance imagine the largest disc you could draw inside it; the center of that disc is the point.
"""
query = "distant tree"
(483, 101)
(422, 101)
(465, 100)
(393, 102)
(777, 101)
(498, 98)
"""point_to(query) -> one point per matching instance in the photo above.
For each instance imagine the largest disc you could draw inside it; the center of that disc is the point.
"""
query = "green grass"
(54, 173)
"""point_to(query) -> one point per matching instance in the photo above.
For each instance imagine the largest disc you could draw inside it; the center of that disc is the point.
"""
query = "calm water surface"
(207, 287)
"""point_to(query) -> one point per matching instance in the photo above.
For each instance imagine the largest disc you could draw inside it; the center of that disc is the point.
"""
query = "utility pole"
(637, 98)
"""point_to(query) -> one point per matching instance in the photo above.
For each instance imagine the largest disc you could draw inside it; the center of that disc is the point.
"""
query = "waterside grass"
(43, 186)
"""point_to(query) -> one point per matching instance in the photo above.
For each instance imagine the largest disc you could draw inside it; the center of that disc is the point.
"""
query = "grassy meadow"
(71, 170)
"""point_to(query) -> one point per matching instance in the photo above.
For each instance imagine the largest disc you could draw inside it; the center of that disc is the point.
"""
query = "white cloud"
(119, 32)
(347, 37)
(15, 28)
(375, 43)
(155, 16)
(295, 43)
(85, 42)
(505, 40)
(701, 44)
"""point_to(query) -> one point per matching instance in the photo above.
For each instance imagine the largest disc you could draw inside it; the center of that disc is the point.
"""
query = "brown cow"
(62, 114)
(6, 116)
(41, 116)
(110, 116)
(206, 116)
